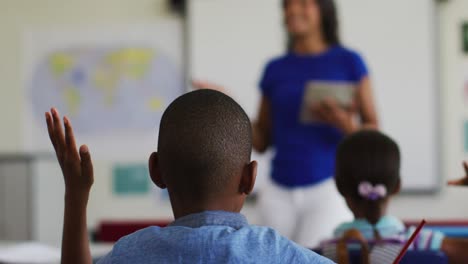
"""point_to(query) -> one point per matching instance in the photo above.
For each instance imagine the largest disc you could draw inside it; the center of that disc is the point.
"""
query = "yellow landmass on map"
(155, 104)
(105, 79)
(131, 62)
(73, 99)
(60, 63)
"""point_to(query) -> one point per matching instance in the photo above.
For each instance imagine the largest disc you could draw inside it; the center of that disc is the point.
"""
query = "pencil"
(409, 242)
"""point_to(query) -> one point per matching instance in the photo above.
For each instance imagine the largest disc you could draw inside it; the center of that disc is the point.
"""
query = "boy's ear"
(155, 171)
(249, 175)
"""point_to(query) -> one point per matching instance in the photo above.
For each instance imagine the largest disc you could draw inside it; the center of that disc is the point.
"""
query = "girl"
(368, 176)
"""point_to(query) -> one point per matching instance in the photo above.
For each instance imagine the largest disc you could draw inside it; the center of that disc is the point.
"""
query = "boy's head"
(204, 148)
(368, 172)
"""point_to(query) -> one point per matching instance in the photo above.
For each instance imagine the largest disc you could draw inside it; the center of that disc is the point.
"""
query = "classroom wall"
(17, 15)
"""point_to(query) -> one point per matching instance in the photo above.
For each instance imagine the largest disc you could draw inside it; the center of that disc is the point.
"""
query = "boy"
(203, 159)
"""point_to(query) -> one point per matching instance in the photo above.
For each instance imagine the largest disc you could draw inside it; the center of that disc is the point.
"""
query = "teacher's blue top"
(305, 153)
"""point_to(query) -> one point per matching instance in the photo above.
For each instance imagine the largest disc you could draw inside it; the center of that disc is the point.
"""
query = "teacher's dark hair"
(329, 22)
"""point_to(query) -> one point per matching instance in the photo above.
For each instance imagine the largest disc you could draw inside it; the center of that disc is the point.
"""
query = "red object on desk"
(409, 242)
(111, 231)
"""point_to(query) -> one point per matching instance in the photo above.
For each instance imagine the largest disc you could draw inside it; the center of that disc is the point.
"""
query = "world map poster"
(114, 87)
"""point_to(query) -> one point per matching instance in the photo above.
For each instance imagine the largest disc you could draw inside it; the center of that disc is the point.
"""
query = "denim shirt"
(209, 237)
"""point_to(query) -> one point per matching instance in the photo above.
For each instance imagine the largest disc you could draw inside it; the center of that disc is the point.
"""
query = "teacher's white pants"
(306, 215)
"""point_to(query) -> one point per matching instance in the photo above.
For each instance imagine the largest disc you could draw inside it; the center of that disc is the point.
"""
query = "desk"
(451, 228)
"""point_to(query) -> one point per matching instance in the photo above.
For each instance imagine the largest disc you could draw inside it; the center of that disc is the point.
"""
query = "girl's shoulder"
(387, 224)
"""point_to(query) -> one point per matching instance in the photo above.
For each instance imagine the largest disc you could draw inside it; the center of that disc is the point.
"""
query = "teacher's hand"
(462, 181)
(331, 112)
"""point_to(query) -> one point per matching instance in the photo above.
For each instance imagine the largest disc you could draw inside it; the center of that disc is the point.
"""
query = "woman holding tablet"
(301, 201)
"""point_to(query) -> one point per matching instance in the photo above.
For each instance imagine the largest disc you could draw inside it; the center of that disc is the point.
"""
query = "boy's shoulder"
(212, 244)
(288, 251)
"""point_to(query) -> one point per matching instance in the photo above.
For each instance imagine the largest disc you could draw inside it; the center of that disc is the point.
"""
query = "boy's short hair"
(205, 139)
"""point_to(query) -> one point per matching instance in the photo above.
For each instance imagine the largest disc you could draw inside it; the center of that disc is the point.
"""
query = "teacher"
(301, 200)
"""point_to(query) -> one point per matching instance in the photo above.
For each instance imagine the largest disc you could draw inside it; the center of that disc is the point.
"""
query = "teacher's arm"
(261, 128)
(366, 105)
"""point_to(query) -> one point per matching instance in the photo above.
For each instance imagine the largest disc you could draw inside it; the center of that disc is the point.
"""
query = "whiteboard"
(231, 40)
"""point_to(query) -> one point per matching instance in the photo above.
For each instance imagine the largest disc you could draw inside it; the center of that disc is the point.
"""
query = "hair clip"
(370, 192)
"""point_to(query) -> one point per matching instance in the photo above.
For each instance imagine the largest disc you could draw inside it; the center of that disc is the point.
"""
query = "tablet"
(317, 91)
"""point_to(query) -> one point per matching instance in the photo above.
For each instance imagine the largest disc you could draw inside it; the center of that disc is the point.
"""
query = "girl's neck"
(359, 212)
(310, 44)
(358, 216)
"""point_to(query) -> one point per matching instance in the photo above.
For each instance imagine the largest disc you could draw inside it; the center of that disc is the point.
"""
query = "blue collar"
(212, 218)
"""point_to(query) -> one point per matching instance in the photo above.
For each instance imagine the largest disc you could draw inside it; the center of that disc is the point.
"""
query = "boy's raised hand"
(77, 167)
(77, 170)
(462, 181)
